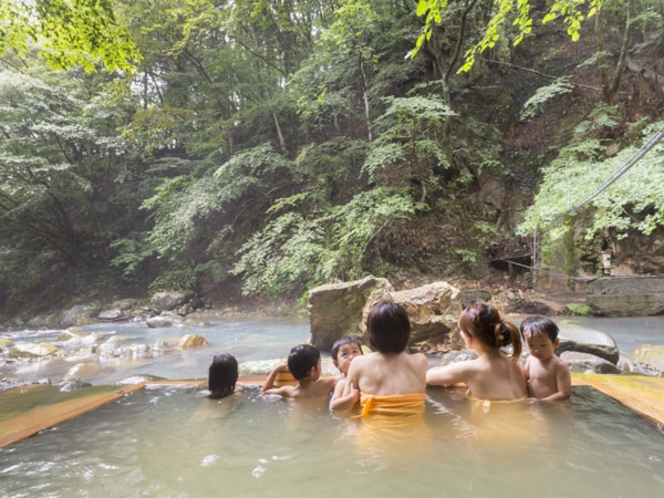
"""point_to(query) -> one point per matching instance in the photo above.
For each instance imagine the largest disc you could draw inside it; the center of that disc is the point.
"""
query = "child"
(547, 375)
(344, 351)
(304, 364)
(222, 376)
(391, 381)
(492, 376)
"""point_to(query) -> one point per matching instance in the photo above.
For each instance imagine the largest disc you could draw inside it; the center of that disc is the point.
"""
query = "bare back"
(386, 374)
(496, 378)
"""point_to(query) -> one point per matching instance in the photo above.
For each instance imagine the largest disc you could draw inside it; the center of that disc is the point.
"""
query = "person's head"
(344, 350)
(541, 336)
(482, 322)
(388, 328)
(222, 376)
(304, 361)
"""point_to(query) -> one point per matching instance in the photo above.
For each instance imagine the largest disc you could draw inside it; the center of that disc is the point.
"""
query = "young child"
(390, 380)
(304, 364)
(492, 376)
(343, 352)
(547, 375)
(222, 376)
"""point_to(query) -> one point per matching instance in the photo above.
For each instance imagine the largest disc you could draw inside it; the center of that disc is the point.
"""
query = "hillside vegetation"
(259, 148)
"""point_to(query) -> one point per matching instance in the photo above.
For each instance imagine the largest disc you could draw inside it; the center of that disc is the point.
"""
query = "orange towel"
(393, 404)
(392, 425)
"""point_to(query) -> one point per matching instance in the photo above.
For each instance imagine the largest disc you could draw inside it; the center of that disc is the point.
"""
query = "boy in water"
(547, 375)
(343, 352)
(304, 363)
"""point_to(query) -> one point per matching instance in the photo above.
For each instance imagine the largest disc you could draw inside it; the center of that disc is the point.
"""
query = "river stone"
(82, 371)
(50, 321)
(112, 315)
(456, 356)
(647, 353)
(642, 296)
(471, 296)
(584, 363)
(190, 341)
(167, 301)
(589, 341)
(72, 333)
(73, 384)
(125, 304)
(5, 343)
(336, 310)
(161, 321)
(433, 310)
(81, 314)
(31, 350)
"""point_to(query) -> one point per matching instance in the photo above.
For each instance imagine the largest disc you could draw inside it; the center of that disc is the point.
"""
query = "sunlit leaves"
(518, 10)
(73, 32)
(634, 202)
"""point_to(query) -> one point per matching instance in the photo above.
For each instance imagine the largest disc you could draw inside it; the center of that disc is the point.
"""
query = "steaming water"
(171, 443)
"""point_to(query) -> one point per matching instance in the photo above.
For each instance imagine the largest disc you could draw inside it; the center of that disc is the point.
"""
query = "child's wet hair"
(301, 359)
(222, 376)
(484, 322)
(388, 328)
(347, 339)
(539, 325)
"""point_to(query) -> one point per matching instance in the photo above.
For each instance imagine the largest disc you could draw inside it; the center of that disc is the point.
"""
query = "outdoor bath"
(167, 441)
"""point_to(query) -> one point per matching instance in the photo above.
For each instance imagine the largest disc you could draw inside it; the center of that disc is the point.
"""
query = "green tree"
(73, 32)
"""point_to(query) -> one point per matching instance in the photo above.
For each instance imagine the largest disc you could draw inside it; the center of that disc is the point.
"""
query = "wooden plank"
(20, 425)
(642, 394)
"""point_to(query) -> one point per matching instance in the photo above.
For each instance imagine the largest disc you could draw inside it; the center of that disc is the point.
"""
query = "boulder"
(81, 314)
(71, 334)
(49, 321)
(336, 310)
(471, 296)
(125, 304)
(584, 363)
(433, 310)
(32, 350)
(82, 371)
(112, 315)
(589, 341)
(162, 321)
(5, 343)
(167, 301)
(190, 341)
(638, 296)
(652, 355)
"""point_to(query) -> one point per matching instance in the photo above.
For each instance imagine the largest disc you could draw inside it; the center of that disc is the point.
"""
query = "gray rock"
(584, 362)
(471, 296)
(652, 355)
(433, 310)
(112, 315)
(31, 350)
(336, 310)
(589, 341)
(646, 369)
(70, 385)
(642, 296)
(81, 314)
(167, 301)
(161, 321)
(457, 356)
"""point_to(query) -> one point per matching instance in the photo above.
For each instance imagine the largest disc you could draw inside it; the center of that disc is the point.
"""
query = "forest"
(254, 149)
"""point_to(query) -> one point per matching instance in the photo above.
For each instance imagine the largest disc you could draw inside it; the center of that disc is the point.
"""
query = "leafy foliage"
(543, 94)
(74, 32)
(634, 202)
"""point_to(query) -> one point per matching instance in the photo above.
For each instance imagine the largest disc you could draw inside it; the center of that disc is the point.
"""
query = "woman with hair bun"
(493, 376)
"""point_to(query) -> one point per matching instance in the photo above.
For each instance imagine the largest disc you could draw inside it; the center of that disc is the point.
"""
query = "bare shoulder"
(561, 365)
(418, 360)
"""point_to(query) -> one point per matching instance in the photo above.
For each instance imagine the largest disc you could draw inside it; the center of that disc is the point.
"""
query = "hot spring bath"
(170, 442)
